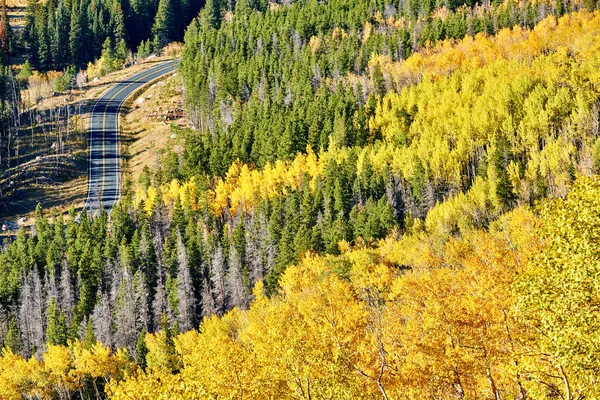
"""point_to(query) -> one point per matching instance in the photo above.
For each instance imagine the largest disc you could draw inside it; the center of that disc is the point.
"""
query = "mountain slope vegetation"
(376, 200)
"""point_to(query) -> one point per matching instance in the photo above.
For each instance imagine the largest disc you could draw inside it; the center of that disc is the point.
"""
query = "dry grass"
(16, 3)
(147, 124)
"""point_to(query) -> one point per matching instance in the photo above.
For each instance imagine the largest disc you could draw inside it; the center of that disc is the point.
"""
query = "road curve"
(103, 169)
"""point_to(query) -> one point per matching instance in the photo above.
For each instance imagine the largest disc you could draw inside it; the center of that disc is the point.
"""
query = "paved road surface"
(103, 169)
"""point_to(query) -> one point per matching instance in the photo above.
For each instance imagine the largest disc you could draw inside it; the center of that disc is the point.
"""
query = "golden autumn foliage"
(526, 99)
(535, 96)
(242, 187)
(63, 371)
(415, 317)
(359, 326)
(574, 31)
(454, 307)
(557, 295)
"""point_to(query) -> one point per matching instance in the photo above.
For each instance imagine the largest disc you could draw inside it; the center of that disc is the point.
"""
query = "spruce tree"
(6, 35)
(140, 17)
(56, 328)
(51, 32)
(44, 56)
(108, 58)
(88, 337)
(78, 36)
(118, 22)
(63, 25)
(30, 34)
(211, 15)
(141, 350)
(12, 340)
(164, 25)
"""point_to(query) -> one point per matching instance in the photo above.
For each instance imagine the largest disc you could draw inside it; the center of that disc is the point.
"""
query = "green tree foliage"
(56, 329)
(163, 29)
(74, 32)
(302, 155)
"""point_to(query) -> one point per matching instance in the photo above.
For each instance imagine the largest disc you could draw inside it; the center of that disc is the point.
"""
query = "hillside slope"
(441, 242)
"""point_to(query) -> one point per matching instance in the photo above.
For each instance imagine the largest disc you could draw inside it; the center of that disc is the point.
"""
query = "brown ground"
(147, 124)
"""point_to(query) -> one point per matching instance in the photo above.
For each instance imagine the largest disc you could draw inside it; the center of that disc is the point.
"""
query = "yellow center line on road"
(148, 72)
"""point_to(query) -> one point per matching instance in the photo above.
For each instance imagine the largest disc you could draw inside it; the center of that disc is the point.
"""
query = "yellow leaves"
(244, 186)
(159, 381)
(315, 44)
(217, 363)
(367, 29)
(58, 359)
(58, 362)
(371, 270)
(484, 87)
(453, 326)
(342, 326)
(556, 293)
(219, 199)
(554, 159)
(338, 34)
(160, 358)
(17, 375)
(185, 192)
(152, 386)
(184, 344)
(528, 90)
(147, 196)
(65, 369)
(259, 292)
(576, 31)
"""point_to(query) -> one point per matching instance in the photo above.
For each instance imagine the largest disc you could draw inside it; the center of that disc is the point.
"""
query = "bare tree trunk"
(568, 395)
(493, 384)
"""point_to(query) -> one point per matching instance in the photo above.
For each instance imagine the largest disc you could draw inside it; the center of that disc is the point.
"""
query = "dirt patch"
(146, 123)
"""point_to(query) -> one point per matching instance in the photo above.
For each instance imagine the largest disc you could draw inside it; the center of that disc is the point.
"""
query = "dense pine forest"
(375, 200)
(73, 33)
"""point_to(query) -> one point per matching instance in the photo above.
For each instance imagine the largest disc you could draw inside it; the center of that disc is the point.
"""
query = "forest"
(73, 33)
(375, 200)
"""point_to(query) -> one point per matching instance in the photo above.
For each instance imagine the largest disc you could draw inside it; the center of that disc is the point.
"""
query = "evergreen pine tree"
(164, 25)
(12, 340)
(211, 15)
(141, 350)
(118, 22)
(107, 61)
(78, 36)
(89, 338)
(56, 328)
(44, 56)
(30, 32)
(6, 35)
(63, 25)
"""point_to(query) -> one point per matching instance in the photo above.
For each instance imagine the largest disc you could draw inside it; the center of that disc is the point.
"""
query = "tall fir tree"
(56, 328)
(63, 26)
(164, 25)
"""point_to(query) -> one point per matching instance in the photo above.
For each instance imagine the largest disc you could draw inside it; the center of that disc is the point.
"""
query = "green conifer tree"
(164, 25)
(56, 328)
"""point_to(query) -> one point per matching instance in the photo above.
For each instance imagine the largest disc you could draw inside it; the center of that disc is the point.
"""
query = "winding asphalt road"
(103, 169)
